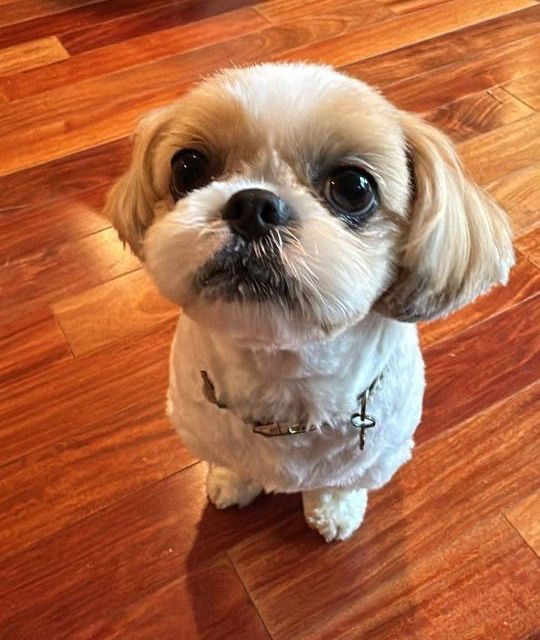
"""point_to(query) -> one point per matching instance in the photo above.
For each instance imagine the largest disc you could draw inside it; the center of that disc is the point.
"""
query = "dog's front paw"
(226, 488)
(335, 513)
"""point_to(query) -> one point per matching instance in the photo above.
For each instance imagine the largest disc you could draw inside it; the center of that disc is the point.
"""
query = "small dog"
(304, 224)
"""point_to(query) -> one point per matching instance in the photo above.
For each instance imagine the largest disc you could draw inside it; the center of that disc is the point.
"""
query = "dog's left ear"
(131, 200)
(458, 243)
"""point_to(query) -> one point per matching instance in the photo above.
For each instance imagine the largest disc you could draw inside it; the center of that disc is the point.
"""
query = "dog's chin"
(253, 324)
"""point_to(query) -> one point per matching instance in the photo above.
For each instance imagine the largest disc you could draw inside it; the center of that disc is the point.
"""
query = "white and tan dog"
(304, 224)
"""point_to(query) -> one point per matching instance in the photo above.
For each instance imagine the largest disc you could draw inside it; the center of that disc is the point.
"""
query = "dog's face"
(283, 202)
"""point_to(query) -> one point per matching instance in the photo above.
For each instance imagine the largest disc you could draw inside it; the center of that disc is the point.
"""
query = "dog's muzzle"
(246, 271)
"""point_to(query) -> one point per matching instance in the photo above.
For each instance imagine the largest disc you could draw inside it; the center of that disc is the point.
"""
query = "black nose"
(253, 212)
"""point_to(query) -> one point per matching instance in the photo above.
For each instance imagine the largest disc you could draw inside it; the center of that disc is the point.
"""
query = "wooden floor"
(105, 531)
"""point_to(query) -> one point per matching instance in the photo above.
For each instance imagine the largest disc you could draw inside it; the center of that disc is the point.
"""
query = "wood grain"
(123, 555)
(529, 245)
(29, 341)
(136, 51)
(477, 113)
(64, 482)
(407, 6)
(524, 283)
(363, 12)
(24, 230)
(208, 603)
(525, 518)
(109, 106)
(417, 58)
(152, 21)
(519, 194)
(418, 540)
(56, 23)
(527, 89)
(65, 177)
(457, 80)
(515, 146)
(457, 387)
(51, 273)
(71, 395)
(30, 55)
(414, 27)
(15, 12)
(116, 309)
(221, 606)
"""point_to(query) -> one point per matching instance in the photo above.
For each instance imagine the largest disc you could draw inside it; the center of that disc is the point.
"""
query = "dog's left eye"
(351, 191)
(190, 170)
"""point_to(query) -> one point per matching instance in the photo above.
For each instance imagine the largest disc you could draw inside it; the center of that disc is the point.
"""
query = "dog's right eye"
(190, 170)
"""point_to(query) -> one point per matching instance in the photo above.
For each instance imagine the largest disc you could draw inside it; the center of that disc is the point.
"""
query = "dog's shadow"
(364, 575)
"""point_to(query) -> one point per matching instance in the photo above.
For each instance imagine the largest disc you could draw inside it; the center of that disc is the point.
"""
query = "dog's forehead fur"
(312, 117)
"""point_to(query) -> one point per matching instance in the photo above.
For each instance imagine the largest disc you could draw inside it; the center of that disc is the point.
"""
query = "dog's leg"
(335, 513)
(226, 488)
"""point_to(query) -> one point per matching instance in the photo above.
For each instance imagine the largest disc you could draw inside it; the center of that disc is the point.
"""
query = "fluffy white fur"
(435, 242)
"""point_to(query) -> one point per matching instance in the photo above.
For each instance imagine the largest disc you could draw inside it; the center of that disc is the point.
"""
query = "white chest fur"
(318, 384)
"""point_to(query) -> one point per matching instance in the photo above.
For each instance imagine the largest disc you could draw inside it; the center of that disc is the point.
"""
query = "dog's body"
(320, 381)
(298, 243)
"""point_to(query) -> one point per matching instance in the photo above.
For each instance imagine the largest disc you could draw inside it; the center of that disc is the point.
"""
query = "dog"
(304, 224)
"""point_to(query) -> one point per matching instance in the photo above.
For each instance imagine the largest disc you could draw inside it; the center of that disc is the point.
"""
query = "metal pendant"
(362, 421)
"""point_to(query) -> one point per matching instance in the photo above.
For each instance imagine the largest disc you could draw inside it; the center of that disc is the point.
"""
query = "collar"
(359, 420)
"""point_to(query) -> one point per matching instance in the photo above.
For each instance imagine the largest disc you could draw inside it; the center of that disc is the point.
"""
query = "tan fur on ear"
(131, 200)
(458, 242)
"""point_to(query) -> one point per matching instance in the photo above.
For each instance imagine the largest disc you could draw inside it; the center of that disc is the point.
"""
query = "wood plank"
(109, 100)
(29, 341)
(525, 517)
(527, 89)
(414, 27)
(50, 274)
(529, 245)
(519, 194)
(25, 229)
(137, 51)
(477, 113)
(363, 12)
(408, 61)
(45, 127)
(65, 177)
(153, 21)
(29, 55)
(515, 146)
(106, 528)
(65, 482)
(460, 79)
(407, 6)
(15, 12)
(81, 14)
(436, 595)
(457, 387)
(434, 556)
(72, 395)
(523, 284)
(119, 308)
(123, 555)
(206, 603)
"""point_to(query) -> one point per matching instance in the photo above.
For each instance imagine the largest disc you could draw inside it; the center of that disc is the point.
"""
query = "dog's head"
(284, 202)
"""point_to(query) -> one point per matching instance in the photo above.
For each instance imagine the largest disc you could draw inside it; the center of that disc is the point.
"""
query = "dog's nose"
(252, 213)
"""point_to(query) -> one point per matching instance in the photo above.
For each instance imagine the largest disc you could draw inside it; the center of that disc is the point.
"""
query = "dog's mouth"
(245, 271)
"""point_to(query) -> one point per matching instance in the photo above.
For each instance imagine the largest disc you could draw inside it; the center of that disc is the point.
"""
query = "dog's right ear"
(130, 202)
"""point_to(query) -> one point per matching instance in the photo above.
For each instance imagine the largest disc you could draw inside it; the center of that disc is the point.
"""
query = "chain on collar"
(359, 420)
